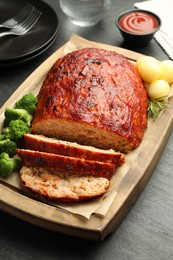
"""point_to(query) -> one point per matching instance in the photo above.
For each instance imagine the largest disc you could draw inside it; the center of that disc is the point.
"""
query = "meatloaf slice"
(52, 145)
(63, 187)
(93, 97)
(66, 163)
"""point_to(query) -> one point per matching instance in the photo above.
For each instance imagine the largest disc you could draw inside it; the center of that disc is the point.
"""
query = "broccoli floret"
(27, 102)
(2, 137)
(14, 114)
(15, 130)
(8, 146)
(8, 165)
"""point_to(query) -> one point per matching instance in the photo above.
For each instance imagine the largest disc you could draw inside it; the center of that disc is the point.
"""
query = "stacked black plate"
(16, 49)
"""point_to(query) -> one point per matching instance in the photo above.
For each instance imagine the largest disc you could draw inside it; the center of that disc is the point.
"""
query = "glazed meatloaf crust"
(71, 149)
(95, 97)
(63, 187)
(66, 163)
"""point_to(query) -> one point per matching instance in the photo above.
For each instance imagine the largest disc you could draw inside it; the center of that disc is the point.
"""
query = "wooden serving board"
(27, 208)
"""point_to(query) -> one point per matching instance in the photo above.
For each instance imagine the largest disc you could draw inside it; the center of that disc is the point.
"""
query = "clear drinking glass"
(85, 12)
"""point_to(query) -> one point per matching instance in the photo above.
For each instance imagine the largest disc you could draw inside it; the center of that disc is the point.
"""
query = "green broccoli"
(27, 102)
(14, 114)
(2, 137)
(8, 165)
(15, 130)
(8, 146)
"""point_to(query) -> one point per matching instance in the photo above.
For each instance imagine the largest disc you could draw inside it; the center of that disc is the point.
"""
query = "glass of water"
(85, 12)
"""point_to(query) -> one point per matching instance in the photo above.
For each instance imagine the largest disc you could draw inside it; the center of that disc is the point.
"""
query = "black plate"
(5, 64)
(16, 48)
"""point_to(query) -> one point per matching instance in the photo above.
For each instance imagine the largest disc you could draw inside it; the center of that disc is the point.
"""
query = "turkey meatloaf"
(52, 145)
(66, 163)
(62, 187)
(95, 97)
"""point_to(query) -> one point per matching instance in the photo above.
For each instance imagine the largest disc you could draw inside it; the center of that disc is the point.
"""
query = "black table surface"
(147, 231)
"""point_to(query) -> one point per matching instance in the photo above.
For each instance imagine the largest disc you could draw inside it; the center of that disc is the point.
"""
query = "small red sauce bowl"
(138, 26)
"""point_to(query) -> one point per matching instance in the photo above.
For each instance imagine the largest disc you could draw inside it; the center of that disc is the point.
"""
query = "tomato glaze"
(138, 22)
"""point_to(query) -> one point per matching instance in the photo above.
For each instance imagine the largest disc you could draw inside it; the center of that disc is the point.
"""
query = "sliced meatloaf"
(71, 149)
(66, 163)
(93, 97)
(63, 187)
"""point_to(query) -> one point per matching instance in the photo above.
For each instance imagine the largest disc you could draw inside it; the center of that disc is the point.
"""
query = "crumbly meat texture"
(71, 149)
(63, 187)
(66, 163)
(94, 97)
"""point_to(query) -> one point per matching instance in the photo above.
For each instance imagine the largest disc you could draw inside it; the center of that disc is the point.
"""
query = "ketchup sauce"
(138, 22)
